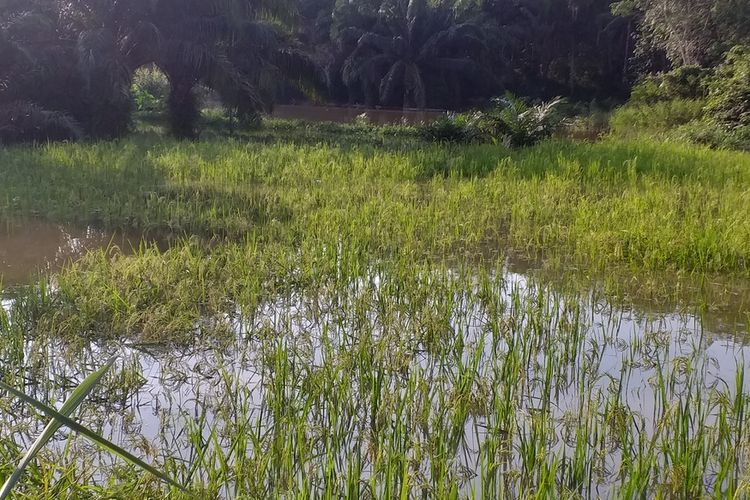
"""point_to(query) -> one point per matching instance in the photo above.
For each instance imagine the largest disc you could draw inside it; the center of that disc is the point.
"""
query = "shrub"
(729, 91)
(150, 89)
(711, 134)
(687, 82)
(515, 123)
(634, 118)
(22, 121)
(458, 128)
(510, 121)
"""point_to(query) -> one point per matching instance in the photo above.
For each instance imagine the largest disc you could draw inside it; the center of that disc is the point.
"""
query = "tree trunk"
(183, 109)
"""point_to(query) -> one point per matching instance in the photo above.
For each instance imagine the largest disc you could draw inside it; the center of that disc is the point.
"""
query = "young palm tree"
(412, 43)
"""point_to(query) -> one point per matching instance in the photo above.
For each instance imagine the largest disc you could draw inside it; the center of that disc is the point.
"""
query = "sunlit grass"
(339, 319)
(646, 205)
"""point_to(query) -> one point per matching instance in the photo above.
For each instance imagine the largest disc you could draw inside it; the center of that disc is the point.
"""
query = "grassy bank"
(337, 318)
(646, 205)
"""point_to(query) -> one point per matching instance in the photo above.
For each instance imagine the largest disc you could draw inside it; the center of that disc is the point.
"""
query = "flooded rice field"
(470, 383)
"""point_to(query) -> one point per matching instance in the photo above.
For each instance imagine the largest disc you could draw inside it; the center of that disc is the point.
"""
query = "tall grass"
(641, 204)
(341, 321)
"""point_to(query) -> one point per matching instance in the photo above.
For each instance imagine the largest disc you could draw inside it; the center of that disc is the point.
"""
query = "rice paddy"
(342, 312)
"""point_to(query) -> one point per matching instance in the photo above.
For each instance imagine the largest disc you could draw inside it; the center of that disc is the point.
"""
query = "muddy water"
(30, 246)
(339, 114)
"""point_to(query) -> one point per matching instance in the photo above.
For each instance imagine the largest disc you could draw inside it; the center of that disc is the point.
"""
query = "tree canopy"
(67, 66)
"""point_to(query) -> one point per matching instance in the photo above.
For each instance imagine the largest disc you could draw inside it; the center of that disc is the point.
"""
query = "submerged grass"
(339, 320)
(401, 378)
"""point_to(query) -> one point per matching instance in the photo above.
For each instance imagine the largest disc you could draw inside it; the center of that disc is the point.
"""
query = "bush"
(714, 135)
(22, 121)
(150, 89)
(515, 123)
(511, 122)
(635, 119)
(458, 128)
(687, 82)
(729, 91)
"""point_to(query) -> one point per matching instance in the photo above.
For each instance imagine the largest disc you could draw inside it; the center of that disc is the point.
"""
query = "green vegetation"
(643, 119)
(509, 121)
(729, 96)
(692, 104)
(63, 418)
(542, 295)
(79, 70)
(641, 203)
(339, 318)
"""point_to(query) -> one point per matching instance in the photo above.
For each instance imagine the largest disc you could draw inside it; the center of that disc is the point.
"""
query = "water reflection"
(29, 246)
(579, 354)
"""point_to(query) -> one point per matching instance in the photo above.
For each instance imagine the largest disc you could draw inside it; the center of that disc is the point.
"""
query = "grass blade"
(73, 402)
(96, 438)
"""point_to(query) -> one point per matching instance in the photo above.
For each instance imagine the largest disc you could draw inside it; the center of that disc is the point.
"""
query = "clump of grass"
(637, 119)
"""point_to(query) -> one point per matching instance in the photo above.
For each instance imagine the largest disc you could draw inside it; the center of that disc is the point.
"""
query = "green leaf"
(61, 418)
(76, 398)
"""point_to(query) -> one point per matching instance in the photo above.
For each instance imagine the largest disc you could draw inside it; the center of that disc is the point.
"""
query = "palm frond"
(375, 41)
(27, 122)
(392, 81)
(415, 85)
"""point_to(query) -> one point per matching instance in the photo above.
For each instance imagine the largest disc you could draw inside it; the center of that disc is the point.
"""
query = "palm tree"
(37, 80)
(270, 59)
(414, 42)
(189, 40)
(588, 58)
(235, 47)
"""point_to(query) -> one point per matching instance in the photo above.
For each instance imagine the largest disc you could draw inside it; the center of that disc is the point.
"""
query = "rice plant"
(328, 319)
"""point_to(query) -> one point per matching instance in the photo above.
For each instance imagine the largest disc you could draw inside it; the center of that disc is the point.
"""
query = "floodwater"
(30, 246)
(164, 392)
(341, 114)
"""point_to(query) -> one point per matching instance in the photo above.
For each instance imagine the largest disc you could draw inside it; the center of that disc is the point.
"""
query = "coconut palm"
(413, 42)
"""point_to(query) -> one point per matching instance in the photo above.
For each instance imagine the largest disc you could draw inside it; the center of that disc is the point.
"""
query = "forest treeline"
(67, 66)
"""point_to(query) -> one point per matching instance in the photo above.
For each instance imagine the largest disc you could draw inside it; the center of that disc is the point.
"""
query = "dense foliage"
(70, 69)
(729, 98)
(704, 105)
